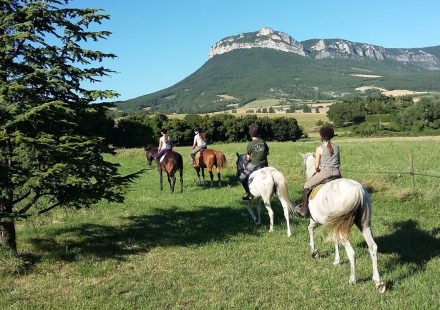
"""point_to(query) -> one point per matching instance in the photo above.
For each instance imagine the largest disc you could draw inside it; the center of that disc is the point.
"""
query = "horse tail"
(220, 159)
(281, 189)
(340, 223)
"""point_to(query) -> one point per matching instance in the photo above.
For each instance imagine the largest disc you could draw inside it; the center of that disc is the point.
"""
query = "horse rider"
(165, 144)
(327, 160)
(256, 154)
(199, 143)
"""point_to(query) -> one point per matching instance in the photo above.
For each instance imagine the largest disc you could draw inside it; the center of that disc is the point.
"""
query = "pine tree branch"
(50, 208)
(21, 198)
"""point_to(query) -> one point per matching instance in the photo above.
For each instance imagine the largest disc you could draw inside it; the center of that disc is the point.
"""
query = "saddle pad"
(315, 191)
(162, 157)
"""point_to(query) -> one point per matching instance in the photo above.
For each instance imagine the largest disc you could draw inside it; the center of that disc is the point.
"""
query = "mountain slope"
(286, 68)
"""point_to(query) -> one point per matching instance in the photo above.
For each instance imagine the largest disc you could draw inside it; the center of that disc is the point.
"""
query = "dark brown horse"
(171, 163)
(207, 159)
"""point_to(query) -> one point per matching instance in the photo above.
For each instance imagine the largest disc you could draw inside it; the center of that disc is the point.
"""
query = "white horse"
(338, 205)
(263, 183)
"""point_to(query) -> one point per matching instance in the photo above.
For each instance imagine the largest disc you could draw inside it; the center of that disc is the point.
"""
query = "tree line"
(382, 114)
(141, 129)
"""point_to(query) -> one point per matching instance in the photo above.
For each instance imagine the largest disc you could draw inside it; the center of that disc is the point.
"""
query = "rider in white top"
(165, 143)
(199, 143)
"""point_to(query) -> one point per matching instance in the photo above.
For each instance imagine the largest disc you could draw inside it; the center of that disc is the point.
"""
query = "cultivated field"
(200, 250)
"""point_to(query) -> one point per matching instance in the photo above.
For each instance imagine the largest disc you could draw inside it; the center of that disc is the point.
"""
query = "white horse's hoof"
(315, 254)
(336, 263)
(289, 234)
(271, 230)
(352, 281)
(381, 287)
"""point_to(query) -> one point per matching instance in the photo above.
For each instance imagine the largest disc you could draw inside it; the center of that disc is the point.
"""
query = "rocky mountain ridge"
(325, 48)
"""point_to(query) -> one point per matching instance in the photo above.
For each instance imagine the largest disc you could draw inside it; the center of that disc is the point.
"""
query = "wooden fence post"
(411, 172)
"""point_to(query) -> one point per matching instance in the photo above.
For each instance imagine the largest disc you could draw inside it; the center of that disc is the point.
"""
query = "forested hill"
(280, 67)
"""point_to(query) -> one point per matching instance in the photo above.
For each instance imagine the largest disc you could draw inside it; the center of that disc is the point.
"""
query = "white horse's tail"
(281, 189)
(340, 223)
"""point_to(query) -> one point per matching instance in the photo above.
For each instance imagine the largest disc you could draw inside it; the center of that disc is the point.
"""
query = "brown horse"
(172, 163)
(207, 159)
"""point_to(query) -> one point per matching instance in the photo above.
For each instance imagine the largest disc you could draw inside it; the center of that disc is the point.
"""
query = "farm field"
(200, 250)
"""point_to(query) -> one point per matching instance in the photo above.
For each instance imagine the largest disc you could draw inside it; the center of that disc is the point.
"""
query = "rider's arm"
(318, 158)
(195, 142)
(160, 144)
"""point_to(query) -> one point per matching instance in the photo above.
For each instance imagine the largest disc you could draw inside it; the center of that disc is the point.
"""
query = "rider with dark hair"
(326, 166)
(256, 154)
(199, 143)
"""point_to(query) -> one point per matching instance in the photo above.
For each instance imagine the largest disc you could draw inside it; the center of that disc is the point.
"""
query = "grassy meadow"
(200, 249)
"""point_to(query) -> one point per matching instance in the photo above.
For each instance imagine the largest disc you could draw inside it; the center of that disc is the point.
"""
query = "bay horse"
(171, 163)
(338, 205)
(208, 159)
(264, 183)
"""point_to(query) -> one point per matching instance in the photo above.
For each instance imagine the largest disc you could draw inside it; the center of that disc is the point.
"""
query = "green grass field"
(200, 250)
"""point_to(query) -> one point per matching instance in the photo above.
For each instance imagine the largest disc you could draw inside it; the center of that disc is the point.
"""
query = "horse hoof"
(258, 223)
(315, 254)
(381, 287)
(352, 281)
(336, 263)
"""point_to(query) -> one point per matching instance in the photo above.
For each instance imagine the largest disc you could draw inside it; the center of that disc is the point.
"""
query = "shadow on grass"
(412, 246)
(139, 234)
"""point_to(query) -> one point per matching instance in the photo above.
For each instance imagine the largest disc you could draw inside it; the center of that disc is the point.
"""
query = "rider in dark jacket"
(257, 152)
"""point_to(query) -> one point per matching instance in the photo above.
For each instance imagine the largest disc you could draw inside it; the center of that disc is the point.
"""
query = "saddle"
(315, 189)
(256, 168)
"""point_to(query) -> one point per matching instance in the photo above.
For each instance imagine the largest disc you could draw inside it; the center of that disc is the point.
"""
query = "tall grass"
(200, 250)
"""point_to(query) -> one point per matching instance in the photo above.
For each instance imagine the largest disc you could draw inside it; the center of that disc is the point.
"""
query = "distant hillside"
(238, 72)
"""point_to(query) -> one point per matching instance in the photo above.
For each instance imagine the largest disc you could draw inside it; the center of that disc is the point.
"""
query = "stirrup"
(247, 196)
(299, 211)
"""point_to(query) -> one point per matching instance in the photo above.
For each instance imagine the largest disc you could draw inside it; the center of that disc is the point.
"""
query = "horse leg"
(285, 205)
(352, 259)
(161, 179)
(372, 248)
(211, 175)
(198, 174)
(203, 175)
(169, 182)
(219, 175)
(270, 211)
(337, 257)
(249, 208)
(259, 212)
(173, 182)
(314, 252)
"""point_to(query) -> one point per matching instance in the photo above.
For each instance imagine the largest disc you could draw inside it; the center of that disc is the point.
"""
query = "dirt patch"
(366, 75)
(402, 92)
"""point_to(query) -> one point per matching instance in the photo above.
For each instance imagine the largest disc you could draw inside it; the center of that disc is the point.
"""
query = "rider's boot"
(247, 195)
(303, 210)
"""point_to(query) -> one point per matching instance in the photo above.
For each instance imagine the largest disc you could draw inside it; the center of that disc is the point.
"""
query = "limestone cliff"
(324, 48)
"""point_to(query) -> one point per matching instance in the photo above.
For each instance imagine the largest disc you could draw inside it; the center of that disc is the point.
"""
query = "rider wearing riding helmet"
(256, 154)
(199, 143)
(327, 160)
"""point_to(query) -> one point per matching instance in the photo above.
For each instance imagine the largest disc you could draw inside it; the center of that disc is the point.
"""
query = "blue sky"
(160, 42)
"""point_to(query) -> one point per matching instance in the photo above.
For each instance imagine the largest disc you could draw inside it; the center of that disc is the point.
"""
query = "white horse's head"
(309, 162)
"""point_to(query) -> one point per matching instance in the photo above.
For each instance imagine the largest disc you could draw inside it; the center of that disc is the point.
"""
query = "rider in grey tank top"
(326, 165)
(328, 161)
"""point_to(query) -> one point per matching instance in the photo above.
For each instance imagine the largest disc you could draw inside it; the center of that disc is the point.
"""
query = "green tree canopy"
(50, 153)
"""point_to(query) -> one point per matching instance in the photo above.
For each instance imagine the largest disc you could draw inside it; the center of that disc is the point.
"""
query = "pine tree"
(51, 153)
